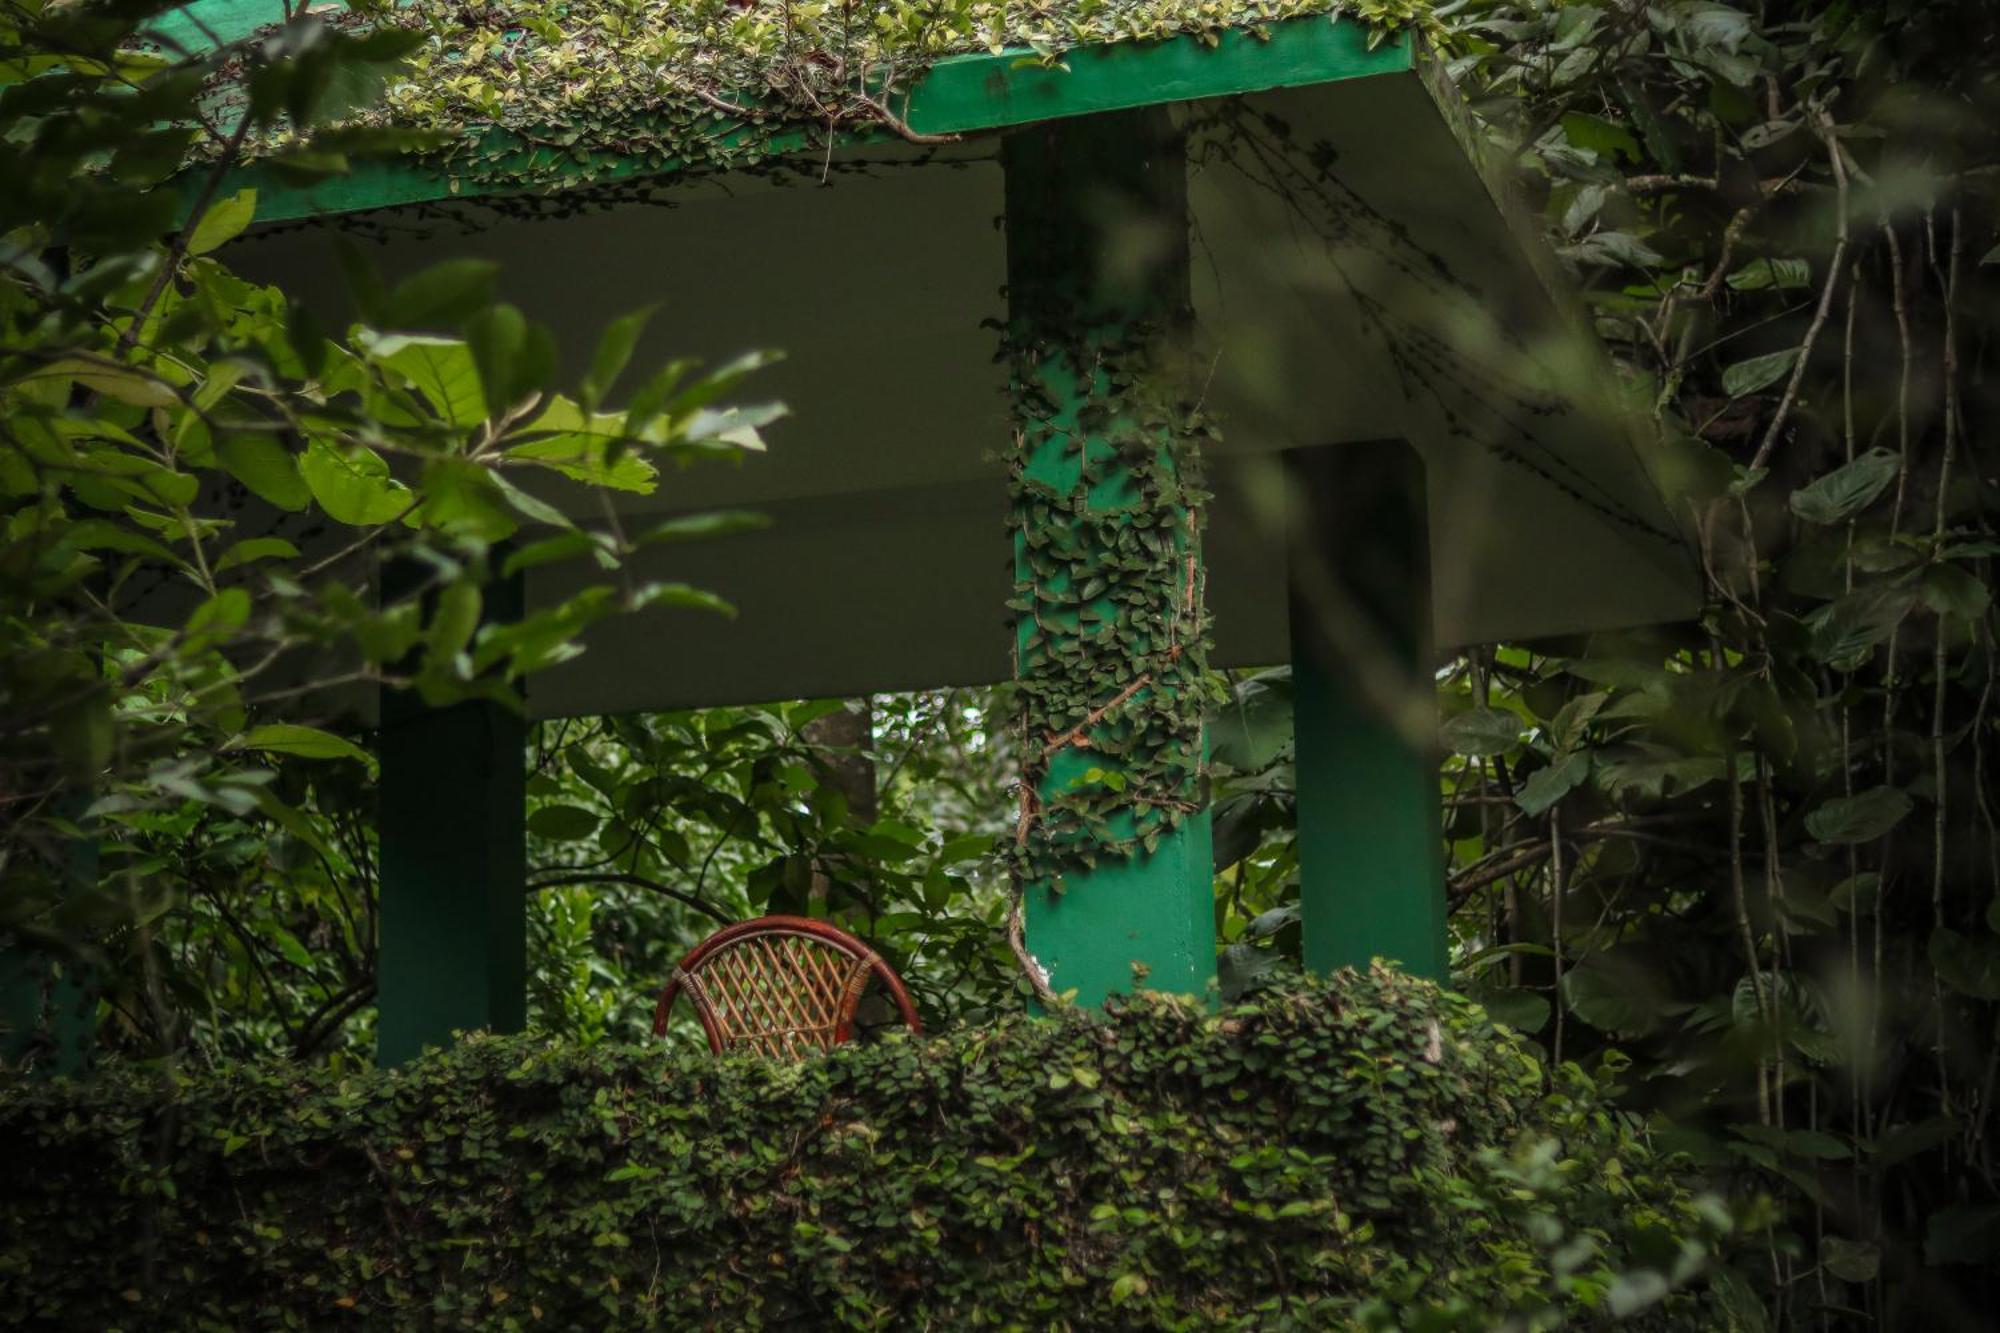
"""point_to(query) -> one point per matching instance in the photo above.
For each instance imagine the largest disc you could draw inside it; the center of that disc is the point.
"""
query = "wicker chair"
(782, 986)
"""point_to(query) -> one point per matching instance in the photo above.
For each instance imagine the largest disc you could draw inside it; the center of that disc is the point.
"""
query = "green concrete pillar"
(1097, 273)
(48, 1002)
(453, 949)
(1371, 850)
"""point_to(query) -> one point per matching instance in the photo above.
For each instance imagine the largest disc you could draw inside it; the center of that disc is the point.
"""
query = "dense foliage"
(1757, 851)
(201, 490)
(1364, 1153)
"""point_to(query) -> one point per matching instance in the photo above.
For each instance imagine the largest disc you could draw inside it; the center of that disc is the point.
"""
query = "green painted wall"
(1097, 240)
(1371, 872)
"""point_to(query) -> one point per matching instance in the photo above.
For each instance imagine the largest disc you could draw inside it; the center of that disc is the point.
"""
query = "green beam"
(1371, 869)
(962, 94)
(453, 948)
(1084, 197)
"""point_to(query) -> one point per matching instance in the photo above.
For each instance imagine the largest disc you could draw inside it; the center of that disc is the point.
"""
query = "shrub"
(1365, 1151)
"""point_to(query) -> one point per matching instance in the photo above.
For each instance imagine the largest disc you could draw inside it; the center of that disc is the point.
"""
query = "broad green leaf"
(122, 383)
(442, 370)
(253, 549)
(1952, 590)
(303, 742)
(614, 352)
(216, 619)
(1968, 964)
(266, 467)
(1546, 786)
(590, 447)
(1597, 135)
(1759, 372)
(1772, 275)
(353, 485)
(563, 823)
(1863, 817)
(1848, 489)
(441, 295)
(1481, 733)
(1846, 630)
(223, 222)
(690, 527)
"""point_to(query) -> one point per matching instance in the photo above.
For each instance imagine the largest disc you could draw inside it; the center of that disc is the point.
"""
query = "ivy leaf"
(1759, 372)
(1863, 817)
(1848, 489)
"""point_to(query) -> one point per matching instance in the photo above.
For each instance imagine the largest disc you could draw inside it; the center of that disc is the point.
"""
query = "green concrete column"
(1371, 860)
(48, 1004)
(1097, 263)
(453, 949)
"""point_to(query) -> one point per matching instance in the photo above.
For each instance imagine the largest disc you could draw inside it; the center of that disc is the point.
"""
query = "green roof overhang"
(956, 95)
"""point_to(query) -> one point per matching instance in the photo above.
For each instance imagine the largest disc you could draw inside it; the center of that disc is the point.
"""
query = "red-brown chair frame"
(836, 996)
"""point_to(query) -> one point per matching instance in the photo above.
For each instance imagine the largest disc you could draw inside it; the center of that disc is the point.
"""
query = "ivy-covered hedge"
(1365, 1152)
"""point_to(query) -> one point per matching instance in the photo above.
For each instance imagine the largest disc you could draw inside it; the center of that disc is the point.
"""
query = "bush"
(1361, 1152)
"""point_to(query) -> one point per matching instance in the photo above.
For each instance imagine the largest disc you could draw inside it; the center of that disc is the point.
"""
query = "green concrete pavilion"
(1410, 458)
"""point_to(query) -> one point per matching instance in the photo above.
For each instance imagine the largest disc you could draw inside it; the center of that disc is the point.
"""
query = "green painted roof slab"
(963, 94)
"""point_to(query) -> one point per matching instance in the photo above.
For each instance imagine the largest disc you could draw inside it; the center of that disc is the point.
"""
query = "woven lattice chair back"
(781, 986)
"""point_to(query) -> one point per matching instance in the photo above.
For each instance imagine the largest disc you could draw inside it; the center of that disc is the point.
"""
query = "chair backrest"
(780, 985)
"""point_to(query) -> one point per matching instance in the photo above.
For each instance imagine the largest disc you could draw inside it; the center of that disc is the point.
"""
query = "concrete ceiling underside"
(1354, 281)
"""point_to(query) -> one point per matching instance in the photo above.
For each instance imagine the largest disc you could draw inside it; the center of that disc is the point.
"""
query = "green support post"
(48, 1005)
(453, 949)
(1097, 257)
(1371, 860)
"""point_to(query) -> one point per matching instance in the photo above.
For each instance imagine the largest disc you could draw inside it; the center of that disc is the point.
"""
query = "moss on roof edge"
(532, 96)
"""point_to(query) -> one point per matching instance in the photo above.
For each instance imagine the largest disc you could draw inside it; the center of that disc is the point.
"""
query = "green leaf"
(266, 467)
(1522, 1010)
(1848, 489)
(1772, 275)
(122, 383)
(614, 352)
(1759, 372)
(353, 485)
(689, 527)
(563, 823)
(1968, 964)
(1952, 590)
(223, 222)
(441, 295)
(1481, 733)
(1846, 630)
(1597, 135)
(1864, 817)
(1850, 1260)
(442, 370)
(253, 549)
(1546, 786)
(303, 742)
